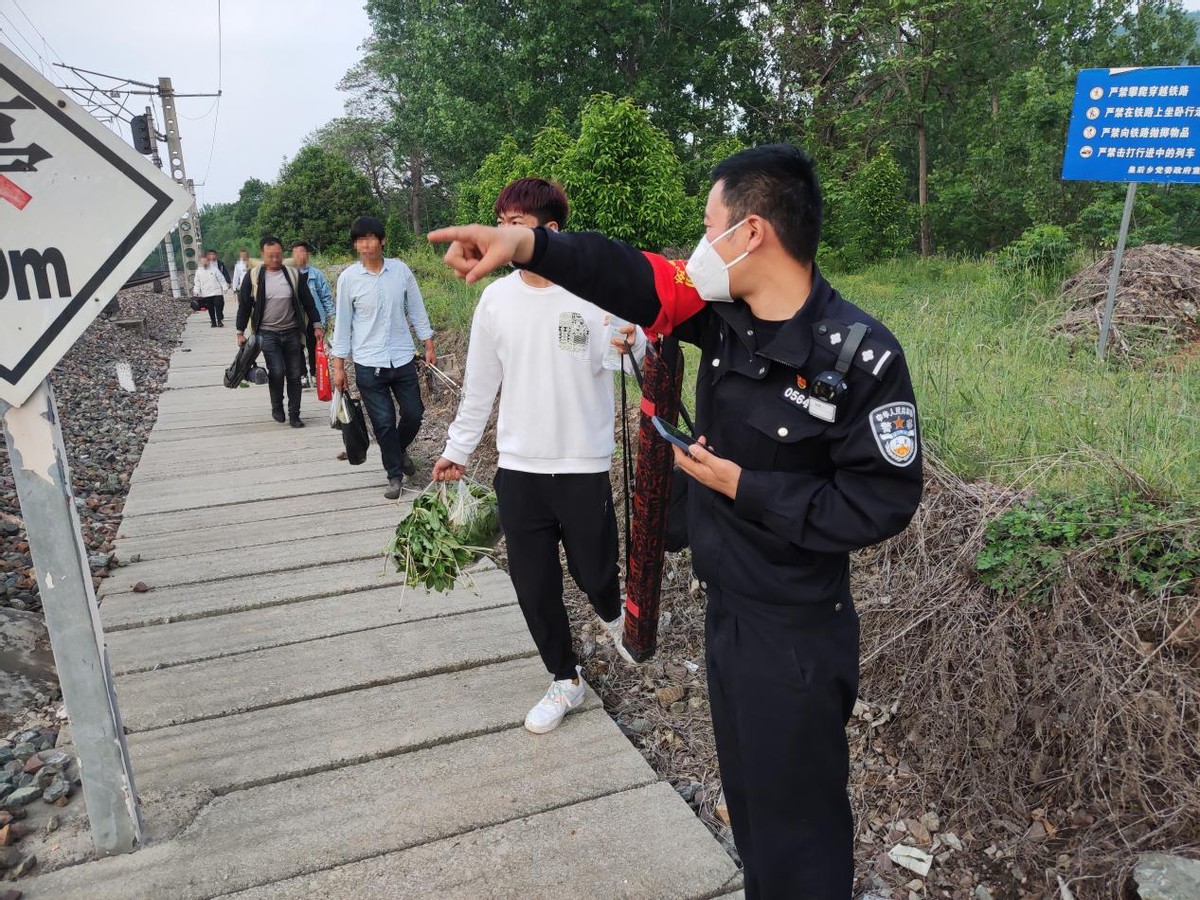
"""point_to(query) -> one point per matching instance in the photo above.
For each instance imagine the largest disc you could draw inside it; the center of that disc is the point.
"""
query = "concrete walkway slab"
(153, 524)
(249, 480)
(267, 678)
(663, 856)
(186, 498)
(349, 728)
(128, 609)
(301, 723)
(193, 568)
(207, 376)
(313, 418)
(303, 825)
(162, 646)
(232, 415)
(232, 457)
(246, 537)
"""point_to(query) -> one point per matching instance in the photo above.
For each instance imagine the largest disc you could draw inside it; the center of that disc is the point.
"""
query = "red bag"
(324, 386)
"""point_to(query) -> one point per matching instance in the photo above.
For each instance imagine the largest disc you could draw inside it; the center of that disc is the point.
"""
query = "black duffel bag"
(246, 356)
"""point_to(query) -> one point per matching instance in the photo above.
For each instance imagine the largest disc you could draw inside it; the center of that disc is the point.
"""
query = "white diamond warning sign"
(79, 210)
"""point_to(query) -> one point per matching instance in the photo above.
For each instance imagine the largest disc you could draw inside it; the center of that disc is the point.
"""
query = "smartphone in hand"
(673, 435)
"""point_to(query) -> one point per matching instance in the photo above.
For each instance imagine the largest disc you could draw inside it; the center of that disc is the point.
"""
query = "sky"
(277, 64)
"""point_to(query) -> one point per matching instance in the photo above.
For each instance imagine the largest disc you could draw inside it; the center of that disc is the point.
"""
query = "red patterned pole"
(662, 379)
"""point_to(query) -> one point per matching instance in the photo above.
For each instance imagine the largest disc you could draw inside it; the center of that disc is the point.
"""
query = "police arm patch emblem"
(894, 427)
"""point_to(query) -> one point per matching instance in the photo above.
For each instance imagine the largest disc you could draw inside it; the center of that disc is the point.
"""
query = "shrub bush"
(1043, 251)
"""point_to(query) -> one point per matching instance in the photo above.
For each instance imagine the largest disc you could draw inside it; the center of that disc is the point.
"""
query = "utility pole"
(168, 244)
(100, 99)
(189, 224)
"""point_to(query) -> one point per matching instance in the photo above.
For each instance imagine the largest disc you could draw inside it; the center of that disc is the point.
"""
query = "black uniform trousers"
(782, 681)
(536, 512)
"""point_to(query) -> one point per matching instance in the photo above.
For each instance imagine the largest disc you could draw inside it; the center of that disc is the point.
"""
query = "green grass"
(449, 302)
(1001, 397)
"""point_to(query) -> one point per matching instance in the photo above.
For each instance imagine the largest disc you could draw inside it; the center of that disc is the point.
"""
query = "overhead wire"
(14, 30)
(45, 42)
(89, 94)
(220, 87)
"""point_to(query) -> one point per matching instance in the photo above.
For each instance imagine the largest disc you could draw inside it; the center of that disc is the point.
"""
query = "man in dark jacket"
(275, 301)
(808, 449)
(214, 262)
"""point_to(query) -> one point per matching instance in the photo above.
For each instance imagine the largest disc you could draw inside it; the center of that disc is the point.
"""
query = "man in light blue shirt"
(378, 306)
(318, 286)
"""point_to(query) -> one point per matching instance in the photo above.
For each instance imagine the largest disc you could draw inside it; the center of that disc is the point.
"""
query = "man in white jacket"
(241, 269)
(542, 348)
(210, 286)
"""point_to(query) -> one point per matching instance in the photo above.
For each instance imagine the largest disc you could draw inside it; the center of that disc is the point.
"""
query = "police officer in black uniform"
(807, 449)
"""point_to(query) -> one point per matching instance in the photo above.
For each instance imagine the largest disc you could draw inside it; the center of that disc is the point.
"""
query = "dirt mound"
(1157, 305)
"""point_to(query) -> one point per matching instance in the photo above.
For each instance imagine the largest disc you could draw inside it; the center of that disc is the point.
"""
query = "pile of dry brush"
(1157, 303)
(1066, 732)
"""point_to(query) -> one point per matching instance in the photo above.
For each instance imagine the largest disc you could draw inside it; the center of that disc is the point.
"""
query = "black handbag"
(354, 433)
(195, 303)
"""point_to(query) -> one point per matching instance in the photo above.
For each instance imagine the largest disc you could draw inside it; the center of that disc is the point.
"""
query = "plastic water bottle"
(612, 356)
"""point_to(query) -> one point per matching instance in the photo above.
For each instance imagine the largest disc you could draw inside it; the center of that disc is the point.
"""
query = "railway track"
(146, 278)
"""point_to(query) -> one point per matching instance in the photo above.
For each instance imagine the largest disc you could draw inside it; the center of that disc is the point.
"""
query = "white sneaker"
(616, 631)
(561, 698)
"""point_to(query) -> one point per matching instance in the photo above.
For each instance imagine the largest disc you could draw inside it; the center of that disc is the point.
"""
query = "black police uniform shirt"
(810, 490)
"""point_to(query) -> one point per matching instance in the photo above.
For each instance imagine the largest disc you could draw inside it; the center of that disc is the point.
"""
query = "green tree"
(316, 198)
(624, 178)
(477, 198)
(458, 77)
(364, 144)
(868, 218)
(230, 227)
(551, 145)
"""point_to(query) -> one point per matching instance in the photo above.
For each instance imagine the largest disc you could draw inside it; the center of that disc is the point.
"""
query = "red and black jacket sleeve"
(643, 288)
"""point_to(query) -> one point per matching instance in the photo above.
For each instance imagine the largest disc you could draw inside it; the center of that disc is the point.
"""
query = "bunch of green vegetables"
(432, 545)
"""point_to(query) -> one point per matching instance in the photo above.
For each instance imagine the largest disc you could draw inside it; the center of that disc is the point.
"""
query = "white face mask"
(708, 272)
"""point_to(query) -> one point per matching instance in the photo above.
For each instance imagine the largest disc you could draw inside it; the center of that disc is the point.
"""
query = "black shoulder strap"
(858, 334)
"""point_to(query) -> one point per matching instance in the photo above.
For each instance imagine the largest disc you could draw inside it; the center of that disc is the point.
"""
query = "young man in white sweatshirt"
(541, 348)
(210, 286)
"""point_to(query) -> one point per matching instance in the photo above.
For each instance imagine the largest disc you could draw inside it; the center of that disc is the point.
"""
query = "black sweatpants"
(538, 511)
(782, 681)
(216, 308)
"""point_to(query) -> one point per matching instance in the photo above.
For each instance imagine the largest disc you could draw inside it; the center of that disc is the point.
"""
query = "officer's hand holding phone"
(696, 460)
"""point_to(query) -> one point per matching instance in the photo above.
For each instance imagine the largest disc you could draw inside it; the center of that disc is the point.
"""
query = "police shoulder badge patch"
(894, 426)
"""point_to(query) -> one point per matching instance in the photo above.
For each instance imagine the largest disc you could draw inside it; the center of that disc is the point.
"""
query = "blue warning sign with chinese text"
(1135, 125)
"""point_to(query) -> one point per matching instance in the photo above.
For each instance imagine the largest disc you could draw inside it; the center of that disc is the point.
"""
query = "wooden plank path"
(322, 735)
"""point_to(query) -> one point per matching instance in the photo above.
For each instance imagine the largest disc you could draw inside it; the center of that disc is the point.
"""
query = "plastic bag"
(474, 514)
(338, 416)
(354, 432)
(324, 386)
